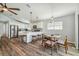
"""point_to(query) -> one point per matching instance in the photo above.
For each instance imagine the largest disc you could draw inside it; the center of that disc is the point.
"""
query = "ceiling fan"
(5, 8)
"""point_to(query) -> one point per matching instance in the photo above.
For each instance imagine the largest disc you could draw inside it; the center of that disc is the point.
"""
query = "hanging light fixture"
(28, 5)
(30, 9)
(30, 15)
(51, 19)
(30, 12)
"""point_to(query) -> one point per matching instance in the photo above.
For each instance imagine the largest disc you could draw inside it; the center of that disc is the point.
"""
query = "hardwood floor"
(14, 47)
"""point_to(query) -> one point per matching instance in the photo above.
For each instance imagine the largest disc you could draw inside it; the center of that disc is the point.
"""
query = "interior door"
(13, 31)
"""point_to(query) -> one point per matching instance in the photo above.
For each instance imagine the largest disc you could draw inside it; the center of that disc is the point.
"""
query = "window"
(55, 25)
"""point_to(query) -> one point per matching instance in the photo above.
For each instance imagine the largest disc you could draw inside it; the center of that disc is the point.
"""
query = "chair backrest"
(43, 36)
(65, 42)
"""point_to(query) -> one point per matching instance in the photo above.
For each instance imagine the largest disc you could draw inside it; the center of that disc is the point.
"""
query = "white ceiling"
(43, 10)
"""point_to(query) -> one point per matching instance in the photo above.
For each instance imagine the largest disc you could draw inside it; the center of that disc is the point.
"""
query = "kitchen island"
(28, 35)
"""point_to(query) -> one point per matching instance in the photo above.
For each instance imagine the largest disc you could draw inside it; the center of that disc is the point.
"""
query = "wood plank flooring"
(14, 47)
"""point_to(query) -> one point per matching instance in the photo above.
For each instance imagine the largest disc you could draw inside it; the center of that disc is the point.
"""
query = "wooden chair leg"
(0, 42)
(56, 48)
(51, 50)
(66, 49)
(43, 46)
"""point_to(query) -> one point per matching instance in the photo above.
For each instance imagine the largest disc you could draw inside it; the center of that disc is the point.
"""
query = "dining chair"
(47, 42)
(34, 38)
(39, 36)
(64, 44)
(43, 40)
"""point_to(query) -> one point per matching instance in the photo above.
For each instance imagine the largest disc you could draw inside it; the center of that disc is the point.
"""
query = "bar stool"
(34, 38)
(39, 37)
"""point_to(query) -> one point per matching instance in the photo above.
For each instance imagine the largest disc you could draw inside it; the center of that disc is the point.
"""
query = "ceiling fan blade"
(1, 4)
(5, 5)
(14, 9)
(2, 11)
(12, 12)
